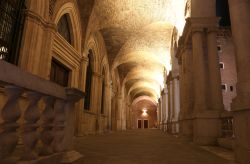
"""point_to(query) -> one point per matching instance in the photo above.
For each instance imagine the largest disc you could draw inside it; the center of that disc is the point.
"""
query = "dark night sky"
(222, 11)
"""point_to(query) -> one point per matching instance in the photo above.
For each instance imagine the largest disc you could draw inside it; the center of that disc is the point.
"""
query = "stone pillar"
(169, 129)
(159, 113)
(215, 97)
(240, 23)
(79, 113)
(165, 108)
(187, 93)
(172, 105)
(129, 116)
(108, 106)
(119, 113)
(162, 111)
(199, 71)
(176, 104)
(96, 98)
(113, 113)
(206, 123)
(35, 54)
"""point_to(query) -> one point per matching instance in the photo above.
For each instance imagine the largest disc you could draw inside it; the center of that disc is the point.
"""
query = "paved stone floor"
(142, 147)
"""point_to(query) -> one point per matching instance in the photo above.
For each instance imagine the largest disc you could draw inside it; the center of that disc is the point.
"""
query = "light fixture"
(144, 112)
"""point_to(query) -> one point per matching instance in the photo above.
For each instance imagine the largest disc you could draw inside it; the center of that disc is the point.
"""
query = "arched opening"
(11, 28)
(88, 81)
(103, 93)
(63, 28)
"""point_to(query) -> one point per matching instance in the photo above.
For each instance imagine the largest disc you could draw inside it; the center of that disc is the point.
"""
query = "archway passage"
(144, 113)
(137, 36)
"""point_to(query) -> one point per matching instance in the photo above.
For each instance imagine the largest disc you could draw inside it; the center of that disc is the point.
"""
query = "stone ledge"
(207, 115)
(12, 75)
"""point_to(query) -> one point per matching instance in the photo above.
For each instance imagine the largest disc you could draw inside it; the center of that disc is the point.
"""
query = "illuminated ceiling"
(137, 35)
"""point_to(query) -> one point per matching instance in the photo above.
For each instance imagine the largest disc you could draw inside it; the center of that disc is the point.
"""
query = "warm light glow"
(144, 112)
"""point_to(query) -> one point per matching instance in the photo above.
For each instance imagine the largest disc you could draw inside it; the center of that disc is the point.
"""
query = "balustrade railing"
(37, 112)
(227, 125)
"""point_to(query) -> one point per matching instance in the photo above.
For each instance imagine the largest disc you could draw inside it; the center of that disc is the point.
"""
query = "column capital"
(96, 74)
(197, 30)
(85, 59)
(212, 30)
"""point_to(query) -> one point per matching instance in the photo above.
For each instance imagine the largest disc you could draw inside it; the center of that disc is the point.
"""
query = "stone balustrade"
(227, 127)
(227, 136)
(38, 114)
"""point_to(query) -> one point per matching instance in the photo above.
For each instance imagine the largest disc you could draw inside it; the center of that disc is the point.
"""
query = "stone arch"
(105, 83)
(143, 98)
(71, 10)
(96, 45)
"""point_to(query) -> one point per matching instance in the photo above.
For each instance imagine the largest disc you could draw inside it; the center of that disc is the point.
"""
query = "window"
(219, 49)
(231, 88)
(59, 73)
(224, 87)
(103, 94)
(222, 65)
(11, 27)
(88, 82)
(63, 28)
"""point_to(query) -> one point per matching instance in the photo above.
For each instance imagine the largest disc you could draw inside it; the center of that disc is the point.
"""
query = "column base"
(175, 127)
(186, 128)
(206, 128)
(242, 136)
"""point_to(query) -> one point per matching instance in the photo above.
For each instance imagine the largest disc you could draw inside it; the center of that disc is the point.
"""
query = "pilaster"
(240, 24)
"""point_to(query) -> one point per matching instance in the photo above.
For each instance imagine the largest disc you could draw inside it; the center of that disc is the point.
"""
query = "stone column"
(216, 102)
(35, 54)
(172, 105)
(199, 71)
(206, 123)
(108, 105)
(96, 98)
(79, 113)
(162, 110)
(119, 113)
(165, 108)
(176, 104)
(240, 23)
(169, 108)
(159, 112)
(187, 93)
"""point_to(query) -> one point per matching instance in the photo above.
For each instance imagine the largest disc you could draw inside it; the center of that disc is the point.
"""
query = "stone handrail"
(47, 119)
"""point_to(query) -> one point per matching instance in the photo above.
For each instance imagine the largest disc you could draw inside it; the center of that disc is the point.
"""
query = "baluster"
(59, 125)
(30, 134)
(10, 113)
(47, 132)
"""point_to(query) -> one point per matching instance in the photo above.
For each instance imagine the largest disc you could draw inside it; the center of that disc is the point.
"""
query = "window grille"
(11, 27)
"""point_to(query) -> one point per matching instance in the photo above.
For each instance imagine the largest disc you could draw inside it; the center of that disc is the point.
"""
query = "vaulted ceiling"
(137, 35)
